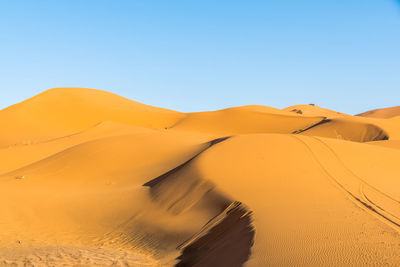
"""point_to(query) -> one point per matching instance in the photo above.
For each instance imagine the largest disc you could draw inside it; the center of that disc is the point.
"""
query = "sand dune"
(244, 120)
(383, 113)
(88, 178)
(305, 199)
(64, 111)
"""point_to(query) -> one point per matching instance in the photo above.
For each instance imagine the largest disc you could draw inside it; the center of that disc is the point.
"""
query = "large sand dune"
(88, 178)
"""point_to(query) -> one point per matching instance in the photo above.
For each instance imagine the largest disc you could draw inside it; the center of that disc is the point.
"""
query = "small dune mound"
(383, 113)
(345, 129)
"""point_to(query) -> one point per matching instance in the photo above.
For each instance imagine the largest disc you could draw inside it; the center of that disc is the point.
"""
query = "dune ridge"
(89, 178)
(383, 113)
(347, 129)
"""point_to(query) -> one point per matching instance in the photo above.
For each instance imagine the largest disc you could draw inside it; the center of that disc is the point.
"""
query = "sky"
(206, 55)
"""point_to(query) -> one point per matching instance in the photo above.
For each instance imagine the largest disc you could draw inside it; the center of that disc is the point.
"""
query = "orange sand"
(383, 113)
(88, 178)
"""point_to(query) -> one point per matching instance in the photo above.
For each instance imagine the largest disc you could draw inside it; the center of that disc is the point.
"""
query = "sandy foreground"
(89, 178)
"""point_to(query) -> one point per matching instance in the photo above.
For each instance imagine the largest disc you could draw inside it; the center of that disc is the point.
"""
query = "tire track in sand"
(377, 203)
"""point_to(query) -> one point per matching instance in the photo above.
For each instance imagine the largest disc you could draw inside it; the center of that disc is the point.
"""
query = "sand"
(89, 178)
(383, 113)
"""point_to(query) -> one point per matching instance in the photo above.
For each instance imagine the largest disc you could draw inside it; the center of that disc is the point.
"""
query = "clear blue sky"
(206, 54)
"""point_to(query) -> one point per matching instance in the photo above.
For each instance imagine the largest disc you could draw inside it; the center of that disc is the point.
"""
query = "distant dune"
(383, 113)
(89, 178)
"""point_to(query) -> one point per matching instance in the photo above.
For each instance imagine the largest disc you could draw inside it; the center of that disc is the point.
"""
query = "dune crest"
(383, 113)
(245, 120)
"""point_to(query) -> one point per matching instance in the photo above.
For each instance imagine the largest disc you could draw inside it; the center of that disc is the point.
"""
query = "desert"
(89, 178)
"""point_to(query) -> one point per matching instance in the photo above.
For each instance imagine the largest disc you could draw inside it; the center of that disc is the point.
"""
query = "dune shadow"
(225, 241)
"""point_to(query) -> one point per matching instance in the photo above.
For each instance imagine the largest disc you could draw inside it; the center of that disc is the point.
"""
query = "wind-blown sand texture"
(89, 178)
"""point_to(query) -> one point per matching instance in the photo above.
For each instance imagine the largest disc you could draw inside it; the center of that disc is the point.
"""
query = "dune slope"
(305, 200)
